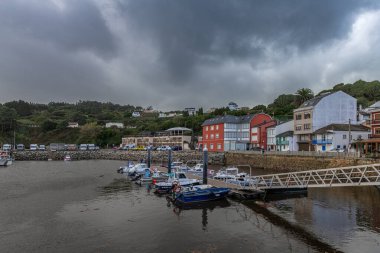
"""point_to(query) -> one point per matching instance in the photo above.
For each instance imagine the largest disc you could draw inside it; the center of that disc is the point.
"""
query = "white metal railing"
(363, 175)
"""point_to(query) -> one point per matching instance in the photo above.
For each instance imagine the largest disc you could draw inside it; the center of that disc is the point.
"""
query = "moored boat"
(178, 178)
(3, 162)
(67, 158)
(201, 196)
(5, 155)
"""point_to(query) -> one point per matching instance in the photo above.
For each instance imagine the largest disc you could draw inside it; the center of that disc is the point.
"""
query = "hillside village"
(293, 122)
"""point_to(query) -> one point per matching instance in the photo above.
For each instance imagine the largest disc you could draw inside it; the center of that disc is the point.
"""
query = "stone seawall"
(292, 163)
(157, 156)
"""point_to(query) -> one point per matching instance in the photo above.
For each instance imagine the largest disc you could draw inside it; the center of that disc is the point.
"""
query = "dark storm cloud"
(194, 32)
(79, 26)
(173, 53)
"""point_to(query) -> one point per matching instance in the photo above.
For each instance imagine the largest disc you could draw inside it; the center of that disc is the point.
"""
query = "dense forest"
(45, 123)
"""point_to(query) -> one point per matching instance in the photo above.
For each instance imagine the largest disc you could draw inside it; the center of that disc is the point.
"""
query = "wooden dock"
(237, 192)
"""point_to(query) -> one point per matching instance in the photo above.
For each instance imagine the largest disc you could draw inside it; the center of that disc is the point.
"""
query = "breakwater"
(156, 156)
(288, 163)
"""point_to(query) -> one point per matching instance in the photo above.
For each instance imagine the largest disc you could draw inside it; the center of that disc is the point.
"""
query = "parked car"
(20, 147)
(139, 148)
(42, 147)
(176, 148)
(83, 147)
(33, 147)
(91, 146)
(72, 147)
(163, 148)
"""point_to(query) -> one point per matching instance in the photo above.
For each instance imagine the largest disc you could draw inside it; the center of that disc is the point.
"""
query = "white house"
(72, 125)
(233, 106)
(285, 140)
(190, 111)
(320, 111)
(136, 114)
(336, 136)
(114, 124)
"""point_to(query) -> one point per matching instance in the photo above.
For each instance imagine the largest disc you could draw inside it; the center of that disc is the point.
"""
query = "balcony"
(282, 142)
(373, 122)
(322, 142)
(371, 136)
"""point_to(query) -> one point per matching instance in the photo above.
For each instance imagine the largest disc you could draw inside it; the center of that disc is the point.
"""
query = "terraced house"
(229, 132)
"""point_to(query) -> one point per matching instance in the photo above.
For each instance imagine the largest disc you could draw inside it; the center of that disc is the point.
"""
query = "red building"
(229, 132)
(372, 145)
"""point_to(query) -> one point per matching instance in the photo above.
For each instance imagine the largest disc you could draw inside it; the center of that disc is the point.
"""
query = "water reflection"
(117, 185)
(346, 217)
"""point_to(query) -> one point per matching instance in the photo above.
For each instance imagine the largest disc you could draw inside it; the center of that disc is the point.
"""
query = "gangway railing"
(362, 175)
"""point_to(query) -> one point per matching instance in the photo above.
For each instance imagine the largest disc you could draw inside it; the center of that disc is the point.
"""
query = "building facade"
(271, 138)
(114, 124)
(285, 140)
(338, 137)
(321, 111)
(225, 133)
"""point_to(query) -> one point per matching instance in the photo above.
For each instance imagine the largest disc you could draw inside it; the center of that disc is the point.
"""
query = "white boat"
(126, 168)
(198, 168)
(228, 173)
(67, 158)
(5, 156)
(179, 166)
(138, 169)
(177, 177)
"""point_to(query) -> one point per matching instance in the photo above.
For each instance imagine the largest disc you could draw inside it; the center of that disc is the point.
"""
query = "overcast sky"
(173, 54)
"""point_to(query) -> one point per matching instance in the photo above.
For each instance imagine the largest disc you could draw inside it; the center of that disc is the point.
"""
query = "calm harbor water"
(85, 206)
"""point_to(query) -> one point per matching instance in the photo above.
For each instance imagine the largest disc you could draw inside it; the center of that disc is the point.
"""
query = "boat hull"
(200, 196)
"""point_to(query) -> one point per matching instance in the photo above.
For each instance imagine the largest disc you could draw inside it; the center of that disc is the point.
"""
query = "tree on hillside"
(303, 95)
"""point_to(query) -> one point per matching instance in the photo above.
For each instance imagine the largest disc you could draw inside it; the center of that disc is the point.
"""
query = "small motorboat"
(178, 178)
(126, 168)
(67, 158)
(198, 168)
(3, 162)
(229, 173)
(201, 195)
(138, 169)
(179, 166)
(5, 155)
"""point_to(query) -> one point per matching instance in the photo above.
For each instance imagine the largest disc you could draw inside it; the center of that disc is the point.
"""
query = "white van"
(7, 147)
(33, 147)
(83, 147)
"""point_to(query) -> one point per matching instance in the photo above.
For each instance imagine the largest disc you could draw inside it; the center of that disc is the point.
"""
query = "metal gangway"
(362, 175)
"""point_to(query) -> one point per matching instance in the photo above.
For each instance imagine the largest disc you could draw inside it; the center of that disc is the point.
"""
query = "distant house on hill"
(136, 114)
(72, 125)
(114, 124)
(233, 106)
(190, 111)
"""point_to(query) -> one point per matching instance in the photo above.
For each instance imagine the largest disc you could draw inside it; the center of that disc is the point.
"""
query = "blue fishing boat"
(199, 196)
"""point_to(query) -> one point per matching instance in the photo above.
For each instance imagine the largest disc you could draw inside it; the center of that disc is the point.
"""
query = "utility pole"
(349, 133)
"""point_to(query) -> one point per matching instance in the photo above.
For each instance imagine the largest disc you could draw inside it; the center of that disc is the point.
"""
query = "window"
(212, 136)
(306, 126)
(219, 146)
(298, 116)
(298, 127)
(206, 136)
(344, 136)
(211, 146)
(212, 128)
(206, 128)
(216, 136)
(377, 130)
(254, 130)
(307, 115)
(217, 127)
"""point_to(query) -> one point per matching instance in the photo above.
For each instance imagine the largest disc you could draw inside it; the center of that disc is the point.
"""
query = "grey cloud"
(79, 26)
(172, 54)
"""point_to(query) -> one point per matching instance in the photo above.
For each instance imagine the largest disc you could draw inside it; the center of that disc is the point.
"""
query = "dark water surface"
(85, 206)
